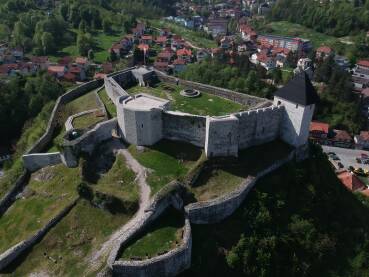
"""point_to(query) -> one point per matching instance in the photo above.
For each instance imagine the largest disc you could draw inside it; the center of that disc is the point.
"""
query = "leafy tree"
(47, 41)
(91, 55)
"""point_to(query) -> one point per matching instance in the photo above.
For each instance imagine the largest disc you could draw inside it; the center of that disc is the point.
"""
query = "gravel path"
(96, 261)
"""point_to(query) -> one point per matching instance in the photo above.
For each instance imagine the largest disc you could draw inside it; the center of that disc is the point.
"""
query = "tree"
(106, 24)
(91, 55)
(84, 43)
(113, 56)
(47, 42)
(277, 75)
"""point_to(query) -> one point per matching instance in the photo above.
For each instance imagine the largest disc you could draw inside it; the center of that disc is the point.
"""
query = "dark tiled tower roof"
(299, 90)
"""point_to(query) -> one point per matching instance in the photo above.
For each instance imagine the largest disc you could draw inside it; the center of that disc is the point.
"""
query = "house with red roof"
(362, 140)
(65, 60)
(57, 71)
(319, 131)
(144, 47)
(146, 39)
(41, 62)
(161, 40)
(342, 138)
(360, 75)
(351, 181)
(82, 62)
(179, 65)
(184, 54)
(162, 66)
(247, 32)
(323, 52)
(165, 56)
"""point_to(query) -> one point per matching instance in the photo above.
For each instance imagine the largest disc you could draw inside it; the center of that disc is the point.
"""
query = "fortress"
(144, 119)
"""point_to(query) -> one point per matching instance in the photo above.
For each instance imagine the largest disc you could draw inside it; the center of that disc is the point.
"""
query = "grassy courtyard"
(166, 161)
(83, 103)
(205, 104)
(50, 190)
(164, 235)
(87, 120)
(216, 181)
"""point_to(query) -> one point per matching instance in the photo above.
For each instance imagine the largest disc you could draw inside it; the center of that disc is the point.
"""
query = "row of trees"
(339, 106)
(23, 98)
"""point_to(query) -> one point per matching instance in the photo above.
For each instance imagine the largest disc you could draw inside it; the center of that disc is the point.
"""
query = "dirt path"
(96, 260)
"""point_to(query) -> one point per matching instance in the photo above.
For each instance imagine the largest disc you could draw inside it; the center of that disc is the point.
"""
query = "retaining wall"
(87, 142)
(215, 210)
(169, 264)
(11, 254)
(34, 162)
(184, 127)
(240, 98)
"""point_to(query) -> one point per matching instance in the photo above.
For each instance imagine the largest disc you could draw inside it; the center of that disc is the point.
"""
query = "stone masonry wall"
(215, 210)
(184, 127)
(241, 98)
(259, 126)
(34, 162)
(45, 139)
(11, 254)
(169, 264)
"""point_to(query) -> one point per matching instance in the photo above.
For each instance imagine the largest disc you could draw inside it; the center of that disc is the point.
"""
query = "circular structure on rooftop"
(190, 93)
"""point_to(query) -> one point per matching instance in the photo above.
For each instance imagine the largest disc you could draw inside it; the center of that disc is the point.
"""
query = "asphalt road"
(347, 156)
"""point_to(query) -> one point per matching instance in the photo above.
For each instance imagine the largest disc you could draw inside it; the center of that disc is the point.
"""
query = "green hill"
(298, 221)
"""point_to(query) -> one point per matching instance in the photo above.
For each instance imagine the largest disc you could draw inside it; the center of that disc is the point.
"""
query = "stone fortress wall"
(220, 136)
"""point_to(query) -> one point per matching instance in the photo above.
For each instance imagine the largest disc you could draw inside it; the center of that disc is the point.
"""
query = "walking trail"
(97, 257)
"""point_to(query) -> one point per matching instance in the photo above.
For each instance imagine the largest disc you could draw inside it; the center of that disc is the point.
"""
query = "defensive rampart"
(34, 162)
(184, 127)
(216, 210)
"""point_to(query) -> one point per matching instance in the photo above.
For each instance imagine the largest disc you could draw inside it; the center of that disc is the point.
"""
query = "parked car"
(340, 165)
(364, 156)
(336, 158)
(359, 171)
(358, 160)
(351, 168)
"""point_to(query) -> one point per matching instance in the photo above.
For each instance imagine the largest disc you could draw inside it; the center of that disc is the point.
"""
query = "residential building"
(342, 138)
(323, 52)
(351, 181)
(362, 140)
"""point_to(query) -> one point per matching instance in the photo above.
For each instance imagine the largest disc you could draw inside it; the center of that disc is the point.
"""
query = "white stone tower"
(299, 98)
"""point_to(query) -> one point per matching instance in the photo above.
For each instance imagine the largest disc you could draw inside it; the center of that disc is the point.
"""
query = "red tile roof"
(342, 135)
(364, 63)
(56, 68)
(184, 52)
(319, 126)
(324, 49)
(161, 39)
(146, 37)
(143, 47)
(179, 62)
(364, 135)
(351, 181)
(81, 60)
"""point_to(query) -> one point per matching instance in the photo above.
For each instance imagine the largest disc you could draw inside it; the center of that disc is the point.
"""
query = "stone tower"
(299, 98)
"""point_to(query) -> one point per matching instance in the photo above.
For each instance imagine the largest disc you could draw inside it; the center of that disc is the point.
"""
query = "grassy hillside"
(298, 221)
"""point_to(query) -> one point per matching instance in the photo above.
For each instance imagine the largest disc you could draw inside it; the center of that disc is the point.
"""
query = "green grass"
(215, 182)
(86, 121)
(205, 104)
(167, 160)
(109, 105)
(160, 237)
(102, 43)
(74, 239)
(195, 37)
(83, 103)
(49, 191)
(119, 181)
(286, 28)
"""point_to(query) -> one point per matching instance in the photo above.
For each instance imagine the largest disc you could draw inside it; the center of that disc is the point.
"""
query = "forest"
(298, 221)
(338, 18)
